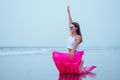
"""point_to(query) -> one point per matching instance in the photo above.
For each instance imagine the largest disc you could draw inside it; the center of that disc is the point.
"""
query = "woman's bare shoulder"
(78, 36)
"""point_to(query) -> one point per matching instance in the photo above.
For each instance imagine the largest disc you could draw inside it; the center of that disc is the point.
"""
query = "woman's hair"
(78, 29)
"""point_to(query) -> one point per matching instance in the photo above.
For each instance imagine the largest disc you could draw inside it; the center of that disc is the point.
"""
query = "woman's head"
(75, 27)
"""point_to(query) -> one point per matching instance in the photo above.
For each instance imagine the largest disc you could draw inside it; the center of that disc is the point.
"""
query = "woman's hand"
(71, 54)
(68, 8)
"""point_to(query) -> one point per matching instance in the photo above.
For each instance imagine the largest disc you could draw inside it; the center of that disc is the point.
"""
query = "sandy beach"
(41, 66)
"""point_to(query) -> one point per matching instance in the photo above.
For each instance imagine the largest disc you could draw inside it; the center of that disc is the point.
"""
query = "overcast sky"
(44, 22)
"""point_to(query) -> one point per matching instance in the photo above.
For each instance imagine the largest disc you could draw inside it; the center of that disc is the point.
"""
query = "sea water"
(35, 63)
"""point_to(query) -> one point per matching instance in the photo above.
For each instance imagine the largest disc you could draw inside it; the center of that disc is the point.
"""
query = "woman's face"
(72, 28)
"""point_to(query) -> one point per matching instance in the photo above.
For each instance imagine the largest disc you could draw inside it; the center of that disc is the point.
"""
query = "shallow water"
(40, 66)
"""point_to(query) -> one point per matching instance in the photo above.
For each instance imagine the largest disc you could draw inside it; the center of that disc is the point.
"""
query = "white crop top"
(71, 42)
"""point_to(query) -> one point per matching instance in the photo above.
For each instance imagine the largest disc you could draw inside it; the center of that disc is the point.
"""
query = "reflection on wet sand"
(75, 77)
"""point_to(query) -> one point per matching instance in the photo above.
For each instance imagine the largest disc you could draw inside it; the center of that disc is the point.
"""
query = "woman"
(76, 37)
(62, 60)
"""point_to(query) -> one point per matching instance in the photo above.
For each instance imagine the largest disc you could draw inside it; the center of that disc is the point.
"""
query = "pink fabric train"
(66, 65)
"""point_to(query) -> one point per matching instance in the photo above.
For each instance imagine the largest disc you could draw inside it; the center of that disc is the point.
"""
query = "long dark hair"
(78, 29)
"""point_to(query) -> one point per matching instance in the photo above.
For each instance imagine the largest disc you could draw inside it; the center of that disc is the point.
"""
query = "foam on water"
(7, 51)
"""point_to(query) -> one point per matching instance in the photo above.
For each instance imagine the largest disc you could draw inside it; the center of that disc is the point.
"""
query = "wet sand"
(41, 66)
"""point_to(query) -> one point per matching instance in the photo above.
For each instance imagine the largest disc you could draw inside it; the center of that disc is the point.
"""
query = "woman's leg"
(81, 66)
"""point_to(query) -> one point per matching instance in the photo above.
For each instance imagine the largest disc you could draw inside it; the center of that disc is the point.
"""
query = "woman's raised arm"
(69, 16)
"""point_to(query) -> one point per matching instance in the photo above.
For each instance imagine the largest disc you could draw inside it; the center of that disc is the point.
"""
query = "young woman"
(76, 37)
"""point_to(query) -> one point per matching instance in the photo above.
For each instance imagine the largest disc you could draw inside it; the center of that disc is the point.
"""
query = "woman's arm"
(77, 41)
(69, 16)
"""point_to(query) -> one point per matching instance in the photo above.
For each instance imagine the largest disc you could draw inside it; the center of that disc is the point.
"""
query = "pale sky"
(45, 22)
